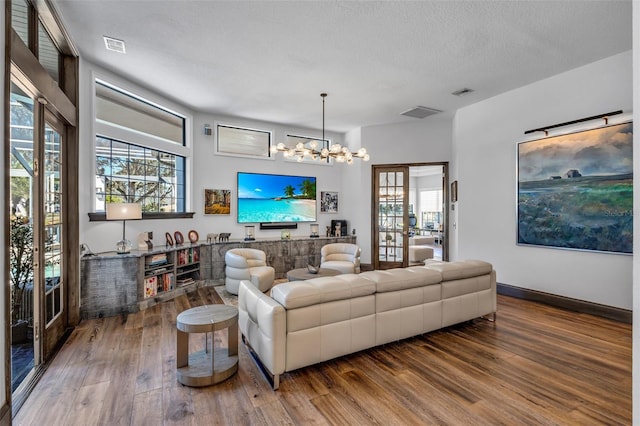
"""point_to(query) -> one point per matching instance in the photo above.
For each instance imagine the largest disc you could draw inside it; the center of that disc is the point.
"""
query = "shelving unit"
(159, 273)
(167, 273)
(187, 265)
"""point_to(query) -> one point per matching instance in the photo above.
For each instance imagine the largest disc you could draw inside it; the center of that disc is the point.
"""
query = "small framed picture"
(217, 201)
(328, 202)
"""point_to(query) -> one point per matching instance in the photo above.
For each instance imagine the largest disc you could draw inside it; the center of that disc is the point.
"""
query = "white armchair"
(343, 257)
(249, 265)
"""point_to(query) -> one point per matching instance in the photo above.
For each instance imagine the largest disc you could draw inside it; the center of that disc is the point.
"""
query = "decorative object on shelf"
(342, 224)
(314, 230)
(328, 231)
(249, 233)
(179, 238)
(285, 235)
(353, 231)
(328, 202)
(217, 201)
(85, 251)
(337, 152)
(145, 241)
(211, 238)
(193, 236)
(168, 239)
(123, 212)
(313, 269)
(224, 236)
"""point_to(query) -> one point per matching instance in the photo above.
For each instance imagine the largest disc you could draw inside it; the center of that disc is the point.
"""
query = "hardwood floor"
(535, 365)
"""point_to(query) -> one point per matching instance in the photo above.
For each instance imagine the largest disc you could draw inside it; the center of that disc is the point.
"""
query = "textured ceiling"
(271, 60)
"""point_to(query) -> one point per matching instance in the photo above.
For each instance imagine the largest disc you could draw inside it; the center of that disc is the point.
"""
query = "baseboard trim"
(575, 305)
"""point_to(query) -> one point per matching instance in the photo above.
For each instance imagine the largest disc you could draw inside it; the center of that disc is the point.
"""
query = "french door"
(390, 216)
(37, 229)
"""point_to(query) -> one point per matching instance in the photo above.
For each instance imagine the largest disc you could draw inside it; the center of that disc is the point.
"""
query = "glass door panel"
(53, 225)
(22, 254)
(391, 221)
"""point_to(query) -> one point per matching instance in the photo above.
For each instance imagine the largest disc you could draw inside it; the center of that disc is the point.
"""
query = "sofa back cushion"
(298, 294)
(402, 278)
(461, 269)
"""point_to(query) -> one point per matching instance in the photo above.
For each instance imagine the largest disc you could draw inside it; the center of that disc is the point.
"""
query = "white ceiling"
(270, 60)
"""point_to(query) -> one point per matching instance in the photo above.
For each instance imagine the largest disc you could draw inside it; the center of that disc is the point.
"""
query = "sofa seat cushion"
(461, 269)
(402, 278)
(421, 240)
(419, 253)
(298, 294)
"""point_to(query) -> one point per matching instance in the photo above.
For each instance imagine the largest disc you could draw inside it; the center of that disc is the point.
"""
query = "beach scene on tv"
(276, 198)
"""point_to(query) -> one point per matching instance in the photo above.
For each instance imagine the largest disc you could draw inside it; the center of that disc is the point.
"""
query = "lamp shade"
(124, 211)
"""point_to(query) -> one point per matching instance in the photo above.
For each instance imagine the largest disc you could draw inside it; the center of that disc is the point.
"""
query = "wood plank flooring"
(535, 365)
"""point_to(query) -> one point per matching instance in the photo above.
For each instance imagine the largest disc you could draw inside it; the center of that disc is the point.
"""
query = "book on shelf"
(156, 259)
(184, 281)
(150, 286)
(168, 282)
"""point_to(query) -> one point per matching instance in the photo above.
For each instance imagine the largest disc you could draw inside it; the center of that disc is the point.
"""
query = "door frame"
(445, 209)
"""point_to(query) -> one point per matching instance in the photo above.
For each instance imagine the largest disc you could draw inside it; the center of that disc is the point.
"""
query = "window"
(135, 174)
(431, 209)
(121, 109)
(238, 141)
(141, 153)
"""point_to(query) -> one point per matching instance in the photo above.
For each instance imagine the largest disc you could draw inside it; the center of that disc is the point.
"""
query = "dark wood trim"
(100, 217)
(5, 409)
(576, 305)
(40, 82)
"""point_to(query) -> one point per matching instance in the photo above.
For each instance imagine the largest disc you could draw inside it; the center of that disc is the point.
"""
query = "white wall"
(485, 137)
(206, 170)
(420, 141)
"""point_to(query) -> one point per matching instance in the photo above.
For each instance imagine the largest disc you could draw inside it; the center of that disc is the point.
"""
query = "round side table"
(206, 367)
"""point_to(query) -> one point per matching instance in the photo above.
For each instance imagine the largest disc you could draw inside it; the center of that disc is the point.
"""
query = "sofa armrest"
(262, 322)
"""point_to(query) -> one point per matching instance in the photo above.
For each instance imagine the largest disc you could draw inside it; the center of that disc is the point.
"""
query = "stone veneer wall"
(283, 255)
(111, 284)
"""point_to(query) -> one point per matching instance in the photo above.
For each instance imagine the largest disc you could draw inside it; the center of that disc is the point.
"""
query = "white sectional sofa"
(307, 322)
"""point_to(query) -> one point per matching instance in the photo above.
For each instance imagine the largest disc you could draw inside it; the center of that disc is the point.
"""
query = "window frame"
(130, 136)
(132, 148)
(267, 154)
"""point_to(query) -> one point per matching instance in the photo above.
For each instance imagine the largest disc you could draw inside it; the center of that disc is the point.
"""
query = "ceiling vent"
(114, 44)
(420, 112)
(462, 92)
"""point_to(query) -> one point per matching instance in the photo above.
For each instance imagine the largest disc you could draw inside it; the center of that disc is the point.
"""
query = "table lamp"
(124, 212)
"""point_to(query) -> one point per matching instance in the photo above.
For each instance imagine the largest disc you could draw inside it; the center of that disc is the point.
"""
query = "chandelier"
(340, 154)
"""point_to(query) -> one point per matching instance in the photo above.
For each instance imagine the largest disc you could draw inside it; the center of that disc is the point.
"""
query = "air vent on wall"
(420, 112)
(114, 44)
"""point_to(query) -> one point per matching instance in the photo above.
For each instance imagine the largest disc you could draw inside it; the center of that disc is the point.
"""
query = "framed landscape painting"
(217, 201)
(575, 191)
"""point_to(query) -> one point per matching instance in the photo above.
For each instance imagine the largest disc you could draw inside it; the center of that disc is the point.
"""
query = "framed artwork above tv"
(271, 198)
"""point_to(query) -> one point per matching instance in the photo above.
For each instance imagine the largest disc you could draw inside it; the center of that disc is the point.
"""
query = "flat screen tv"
(267, 198)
